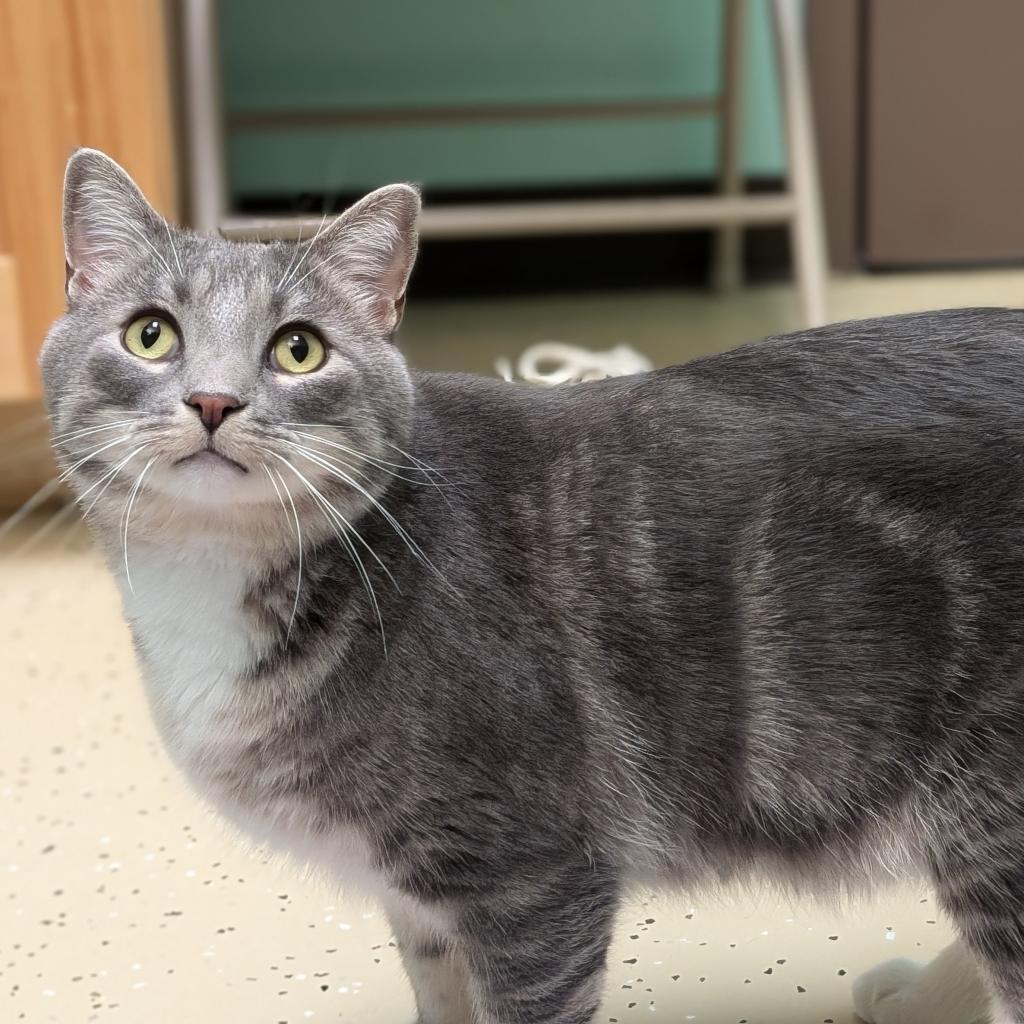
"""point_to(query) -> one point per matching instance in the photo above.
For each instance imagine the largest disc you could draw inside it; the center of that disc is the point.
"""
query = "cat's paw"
(878, 993)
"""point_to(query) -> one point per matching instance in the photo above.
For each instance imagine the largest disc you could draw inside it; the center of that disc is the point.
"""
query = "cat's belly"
(292, 826)
(296, 827)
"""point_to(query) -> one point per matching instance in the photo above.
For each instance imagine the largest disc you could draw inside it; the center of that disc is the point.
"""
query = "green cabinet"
(406, 58)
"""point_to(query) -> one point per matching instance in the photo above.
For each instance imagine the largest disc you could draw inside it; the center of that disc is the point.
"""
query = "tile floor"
(123, 899)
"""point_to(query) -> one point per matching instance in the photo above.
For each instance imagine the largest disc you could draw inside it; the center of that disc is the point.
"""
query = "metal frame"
(798, 206)
(727, 255)
(807, 226)
(203, 116)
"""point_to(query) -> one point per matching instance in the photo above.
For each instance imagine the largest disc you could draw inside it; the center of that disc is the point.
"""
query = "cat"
(497, 654)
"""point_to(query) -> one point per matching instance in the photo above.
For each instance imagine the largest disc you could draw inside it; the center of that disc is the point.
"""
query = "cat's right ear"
(107, 221)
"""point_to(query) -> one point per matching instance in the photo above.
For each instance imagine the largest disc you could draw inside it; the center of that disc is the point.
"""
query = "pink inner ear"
(82, 283)
(387, 311)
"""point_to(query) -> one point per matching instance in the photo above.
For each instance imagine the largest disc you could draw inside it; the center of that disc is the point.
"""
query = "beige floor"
(123, 899)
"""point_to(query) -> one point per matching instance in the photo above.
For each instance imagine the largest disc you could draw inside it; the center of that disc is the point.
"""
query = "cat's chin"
(207, 459)
(210, 479)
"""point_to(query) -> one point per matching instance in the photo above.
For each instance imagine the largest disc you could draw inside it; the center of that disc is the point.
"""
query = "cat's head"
(212, 375)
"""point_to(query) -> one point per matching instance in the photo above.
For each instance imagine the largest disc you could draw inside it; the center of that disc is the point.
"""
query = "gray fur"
(762, 612)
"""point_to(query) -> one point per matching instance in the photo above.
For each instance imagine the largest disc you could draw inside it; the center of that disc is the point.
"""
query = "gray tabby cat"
(498, 654)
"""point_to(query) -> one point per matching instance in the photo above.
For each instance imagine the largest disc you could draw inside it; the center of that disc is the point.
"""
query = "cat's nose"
(213, 408)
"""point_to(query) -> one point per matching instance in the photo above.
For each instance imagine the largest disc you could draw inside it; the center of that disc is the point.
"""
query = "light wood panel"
(72, 73)
(15, 377)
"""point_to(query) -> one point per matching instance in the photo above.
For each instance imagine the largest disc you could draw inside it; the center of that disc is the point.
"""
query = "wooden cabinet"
(72, 73)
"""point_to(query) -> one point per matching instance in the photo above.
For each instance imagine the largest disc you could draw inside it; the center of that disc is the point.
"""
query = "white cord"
(549, 363)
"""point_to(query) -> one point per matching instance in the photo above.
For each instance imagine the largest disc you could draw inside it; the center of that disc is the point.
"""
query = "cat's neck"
(242, 535)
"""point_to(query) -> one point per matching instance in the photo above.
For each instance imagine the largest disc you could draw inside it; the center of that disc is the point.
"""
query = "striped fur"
(760, 613)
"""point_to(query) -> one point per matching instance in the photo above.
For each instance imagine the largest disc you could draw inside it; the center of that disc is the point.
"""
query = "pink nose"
(213, 408)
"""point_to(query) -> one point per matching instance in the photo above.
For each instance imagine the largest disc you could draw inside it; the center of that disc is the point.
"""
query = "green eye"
(297, 351)
(150, 337)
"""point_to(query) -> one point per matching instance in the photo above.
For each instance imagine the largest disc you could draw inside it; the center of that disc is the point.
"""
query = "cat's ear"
(374, 245)
(107, 221)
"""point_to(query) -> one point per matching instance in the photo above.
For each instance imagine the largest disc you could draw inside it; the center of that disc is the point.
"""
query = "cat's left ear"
(373, 244)
(107, 222)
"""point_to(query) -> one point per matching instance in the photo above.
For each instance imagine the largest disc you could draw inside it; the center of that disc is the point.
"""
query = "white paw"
(878, 993)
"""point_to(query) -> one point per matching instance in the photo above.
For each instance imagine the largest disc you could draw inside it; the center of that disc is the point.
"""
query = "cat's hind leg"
(979, 874)
(948, 990)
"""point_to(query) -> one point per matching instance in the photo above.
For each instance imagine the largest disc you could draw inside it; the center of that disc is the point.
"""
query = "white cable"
(549, 363)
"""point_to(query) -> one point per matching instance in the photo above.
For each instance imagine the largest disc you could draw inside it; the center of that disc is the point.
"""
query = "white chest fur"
(185, 608)
(196, 642)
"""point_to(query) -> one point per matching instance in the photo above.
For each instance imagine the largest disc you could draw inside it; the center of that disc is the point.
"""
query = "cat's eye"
(297, 351)
(150, 337)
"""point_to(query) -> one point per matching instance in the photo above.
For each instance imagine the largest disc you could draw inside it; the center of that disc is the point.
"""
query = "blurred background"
(676, 175)
(660, 180)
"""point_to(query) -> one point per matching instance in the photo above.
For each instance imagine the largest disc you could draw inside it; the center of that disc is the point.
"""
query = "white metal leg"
(727, 251)
(807, 225)
(207, 178)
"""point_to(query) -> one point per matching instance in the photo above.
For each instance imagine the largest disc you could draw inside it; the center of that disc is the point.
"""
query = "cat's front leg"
(435, 967)
(536, 946)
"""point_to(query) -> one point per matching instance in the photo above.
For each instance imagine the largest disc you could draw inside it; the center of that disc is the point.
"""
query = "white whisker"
(127, 518)
(329, 511)
(291, 263)
(417, 463)
(366, 458)
(92, 455)
(170, 242)
(109, 476)
(120, 222)
(345, 524)
(298, 538)
(91, 430)
(431, 473)
(305, 253)
(312, 270)
(411, 544)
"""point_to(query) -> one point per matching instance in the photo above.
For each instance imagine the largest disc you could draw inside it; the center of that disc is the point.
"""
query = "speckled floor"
(124, 899)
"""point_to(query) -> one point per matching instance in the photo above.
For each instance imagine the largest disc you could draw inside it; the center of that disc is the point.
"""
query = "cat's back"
(887, 369)
(869, 437)
(896, 371)
(926, 410)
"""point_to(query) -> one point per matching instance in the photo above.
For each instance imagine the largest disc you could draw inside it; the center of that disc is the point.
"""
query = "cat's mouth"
(211, 457)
